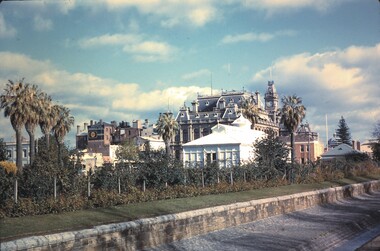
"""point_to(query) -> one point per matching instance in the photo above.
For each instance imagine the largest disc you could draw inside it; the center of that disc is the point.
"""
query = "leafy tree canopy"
(271, 156)
(3, 150)
(127, 152)
(376, 146)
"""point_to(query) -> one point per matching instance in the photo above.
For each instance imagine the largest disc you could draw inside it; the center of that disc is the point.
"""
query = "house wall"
(12, 150)
(315, 147)
(226, 155)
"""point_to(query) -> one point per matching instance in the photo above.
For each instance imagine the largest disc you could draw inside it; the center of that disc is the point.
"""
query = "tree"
(167, 128)
(33, 98)
(376, 146)
(292, 114)
(64, 121)
(47, 117)
(13, 103)
(271, 155)
(3, 150)
(127, 152)
(250, 111)
(343, 132)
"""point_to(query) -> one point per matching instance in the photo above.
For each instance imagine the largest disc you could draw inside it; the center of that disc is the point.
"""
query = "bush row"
(105, 186)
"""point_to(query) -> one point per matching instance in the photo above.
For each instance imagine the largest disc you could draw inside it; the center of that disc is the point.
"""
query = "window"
(9, 153)
(302, 148)
(307, 148)
(210, 157)
(24, 153)
(302, 160)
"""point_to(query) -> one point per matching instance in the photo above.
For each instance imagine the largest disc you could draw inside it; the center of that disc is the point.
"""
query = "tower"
(271, 101)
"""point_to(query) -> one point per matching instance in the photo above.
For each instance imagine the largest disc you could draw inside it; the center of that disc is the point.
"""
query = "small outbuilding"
(340, 151)
(228, 145)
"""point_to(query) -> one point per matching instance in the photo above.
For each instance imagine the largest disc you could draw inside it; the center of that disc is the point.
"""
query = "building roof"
(238, 133)
(339, 151)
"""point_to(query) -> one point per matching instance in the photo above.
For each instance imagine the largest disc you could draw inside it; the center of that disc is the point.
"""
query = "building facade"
(224, 108)
(307, 145)
(12, 151)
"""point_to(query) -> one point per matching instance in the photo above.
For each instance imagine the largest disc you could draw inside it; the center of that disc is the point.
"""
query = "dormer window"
(231, 100)
(197, 115)
(215, 115)
(182, 114)
(206, 115)
(207, 103)
(230, 111)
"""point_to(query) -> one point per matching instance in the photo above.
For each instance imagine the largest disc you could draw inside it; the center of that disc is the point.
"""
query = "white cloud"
(196, 75)
(281, 6)
(6, 31)
(134, 99)
(135, 45)
(150, 51)
(108, 39)
(251, 37)
(42, 24)
(89, 96)
(336, 83)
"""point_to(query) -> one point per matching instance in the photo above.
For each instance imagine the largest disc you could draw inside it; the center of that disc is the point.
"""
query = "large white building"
(229, 145)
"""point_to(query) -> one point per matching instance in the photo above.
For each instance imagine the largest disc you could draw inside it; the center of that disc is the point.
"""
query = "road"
(345, 225)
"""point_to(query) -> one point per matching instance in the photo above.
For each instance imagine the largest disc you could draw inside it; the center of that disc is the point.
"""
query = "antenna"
(270, 73)
(327, 134)
(211, 83)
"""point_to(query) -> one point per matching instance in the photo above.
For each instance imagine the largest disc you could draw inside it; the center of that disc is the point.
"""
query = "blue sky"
(125, 60)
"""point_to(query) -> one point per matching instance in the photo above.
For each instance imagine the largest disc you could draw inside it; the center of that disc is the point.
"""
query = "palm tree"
(47, 117)
(62, 127)
(167, 128)
(250, 111)
(292, 114)
(33, 98)
(13, 103)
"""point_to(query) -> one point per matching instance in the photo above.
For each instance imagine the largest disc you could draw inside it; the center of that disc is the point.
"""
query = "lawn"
(13, 228)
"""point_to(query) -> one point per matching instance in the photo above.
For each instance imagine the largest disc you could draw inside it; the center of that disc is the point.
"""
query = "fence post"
(88, 187)
(217, 176)
(118, 184)
(231, 177)
(16, 191)
(203, 179)
(245, 179)
(143, 185)
(55, 187)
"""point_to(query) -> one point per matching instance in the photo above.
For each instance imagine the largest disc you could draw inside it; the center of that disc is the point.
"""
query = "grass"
(13, 228)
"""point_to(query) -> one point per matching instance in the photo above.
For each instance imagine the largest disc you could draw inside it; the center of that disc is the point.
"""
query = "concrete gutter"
(151, 232)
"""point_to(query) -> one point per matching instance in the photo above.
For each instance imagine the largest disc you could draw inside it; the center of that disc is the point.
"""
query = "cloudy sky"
(131, 59)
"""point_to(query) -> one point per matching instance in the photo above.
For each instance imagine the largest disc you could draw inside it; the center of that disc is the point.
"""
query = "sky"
(124, 60)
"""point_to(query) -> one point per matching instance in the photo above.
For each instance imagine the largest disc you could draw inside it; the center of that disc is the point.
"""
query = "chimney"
(195, 105)
(358, 145)
(78, 129)
(85, 126)
(258, 99)
(91, 122)
(222, 104)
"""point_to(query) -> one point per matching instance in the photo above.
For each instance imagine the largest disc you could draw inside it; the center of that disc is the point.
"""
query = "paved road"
(345, 225)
